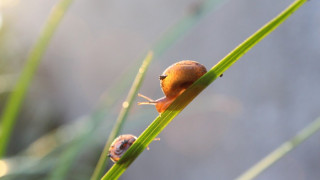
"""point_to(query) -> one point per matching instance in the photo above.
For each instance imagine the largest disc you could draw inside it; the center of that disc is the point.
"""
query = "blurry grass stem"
(89, 124)
(171, 36)
(165, 42)
(126, 106)
(15, 99)
(281, 151)
(187, 96)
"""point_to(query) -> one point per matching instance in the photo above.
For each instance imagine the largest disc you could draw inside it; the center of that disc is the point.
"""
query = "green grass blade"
(73, 149)
(84, 135)
(185, 98)
(126, 106)
(281, 151)
(15, 99)
(168, 39)
(172, 35)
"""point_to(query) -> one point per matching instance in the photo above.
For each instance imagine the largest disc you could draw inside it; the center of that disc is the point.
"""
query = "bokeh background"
(264, 99)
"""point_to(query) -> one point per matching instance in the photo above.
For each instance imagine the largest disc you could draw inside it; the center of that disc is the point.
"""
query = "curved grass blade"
(13, 105)
(168, 39)
(171, 36)
(186, 97)
(126, 106)
(84, 135)
(59, 160)
(281, 151)
(160, 46)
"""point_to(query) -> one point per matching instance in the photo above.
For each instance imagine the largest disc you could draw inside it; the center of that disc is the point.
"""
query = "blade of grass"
(67, 157)
(167, 40)
(13, 105)
(82, 137)
(65, 153)
(281, 151)
(186, 97)
(126, 106)
(160, 46)
(106, 102)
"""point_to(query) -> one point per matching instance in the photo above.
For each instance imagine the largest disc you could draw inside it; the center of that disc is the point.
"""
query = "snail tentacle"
(149, 102)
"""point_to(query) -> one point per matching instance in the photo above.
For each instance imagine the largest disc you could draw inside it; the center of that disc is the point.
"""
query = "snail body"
(174, 81)
(120, 145)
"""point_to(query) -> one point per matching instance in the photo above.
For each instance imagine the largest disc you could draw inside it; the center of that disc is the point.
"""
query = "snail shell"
(174, 80)
(179, 76)
(120, 145)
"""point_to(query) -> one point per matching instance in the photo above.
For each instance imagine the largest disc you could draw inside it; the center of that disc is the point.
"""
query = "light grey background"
(261, 101)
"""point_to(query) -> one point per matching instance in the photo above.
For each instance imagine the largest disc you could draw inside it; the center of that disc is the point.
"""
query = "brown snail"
(174, 80)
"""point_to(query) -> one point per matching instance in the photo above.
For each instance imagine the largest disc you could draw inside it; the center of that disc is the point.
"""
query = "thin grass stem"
(126, 106)
(281, 151)
(15, 99)
(172, 35)
(187, 96)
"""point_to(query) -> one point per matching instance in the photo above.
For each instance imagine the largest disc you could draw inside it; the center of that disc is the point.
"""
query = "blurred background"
(264, 99)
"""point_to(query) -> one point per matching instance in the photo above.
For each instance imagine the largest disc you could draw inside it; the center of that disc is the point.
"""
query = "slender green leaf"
(87, 131)
(126, 106)
(166, 40)
(172, 35)
(13, 105)
(186, 97)
(281, 151)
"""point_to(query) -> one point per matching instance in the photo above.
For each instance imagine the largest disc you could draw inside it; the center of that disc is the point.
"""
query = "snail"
(121, 144)
(174, 81)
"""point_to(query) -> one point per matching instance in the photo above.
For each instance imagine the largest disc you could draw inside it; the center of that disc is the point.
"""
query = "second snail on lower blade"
(120, 145)
(174, 80)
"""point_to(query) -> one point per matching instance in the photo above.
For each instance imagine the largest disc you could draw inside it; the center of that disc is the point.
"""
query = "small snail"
(121, 144)
(174, 80)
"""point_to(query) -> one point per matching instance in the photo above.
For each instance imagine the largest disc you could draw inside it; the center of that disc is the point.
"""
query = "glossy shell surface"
(179, 76)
